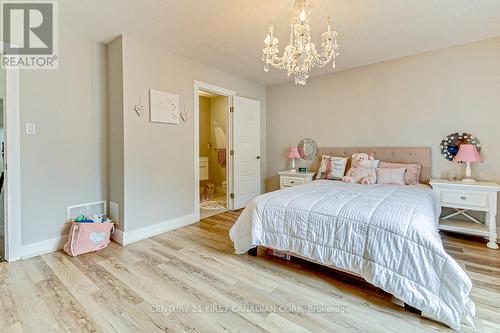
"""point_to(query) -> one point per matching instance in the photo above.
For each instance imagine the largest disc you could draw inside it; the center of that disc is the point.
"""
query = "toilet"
(209, 190)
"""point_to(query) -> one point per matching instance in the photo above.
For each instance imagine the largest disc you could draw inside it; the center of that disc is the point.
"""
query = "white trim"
(229, 158)
(128, 237)
(12, 199)
(117, 236)
(42, 247)
(196, 119)
(123, 238)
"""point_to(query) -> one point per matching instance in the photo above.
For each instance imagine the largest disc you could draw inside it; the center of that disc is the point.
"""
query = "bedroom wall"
(412, 101)
(64, 163)
(159, 162)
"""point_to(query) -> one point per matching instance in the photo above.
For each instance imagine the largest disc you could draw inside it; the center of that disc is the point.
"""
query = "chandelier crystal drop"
(300, 55)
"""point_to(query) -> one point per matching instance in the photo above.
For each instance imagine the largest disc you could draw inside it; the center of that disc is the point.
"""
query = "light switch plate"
(30, 129)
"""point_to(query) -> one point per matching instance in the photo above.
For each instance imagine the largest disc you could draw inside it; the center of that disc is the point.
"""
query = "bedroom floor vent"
(87, 209)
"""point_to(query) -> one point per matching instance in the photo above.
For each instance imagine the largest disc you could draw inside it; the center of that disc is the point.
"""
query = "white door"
(246, 146)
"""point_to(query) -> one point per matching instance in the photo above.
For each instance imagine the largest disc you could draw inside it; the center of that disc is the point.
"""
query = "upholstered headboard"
(420, 155)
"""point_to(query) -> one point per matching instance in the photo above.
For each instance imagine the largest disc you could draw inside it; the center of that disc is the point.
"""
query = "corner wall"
(159, 158)
(116, 156)
(65, 162)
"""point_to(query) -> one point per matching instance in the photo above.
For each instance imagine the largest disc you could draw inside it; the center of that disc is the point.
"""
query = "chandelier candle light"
(300, 55)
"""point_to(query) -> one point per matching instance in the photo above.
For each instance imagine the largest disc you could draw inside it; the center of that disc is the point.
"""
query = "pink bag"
(88, 237)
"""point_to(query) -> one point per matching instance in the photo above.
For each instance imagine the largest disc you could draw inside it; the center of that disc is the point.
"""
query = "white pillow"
(391, 176)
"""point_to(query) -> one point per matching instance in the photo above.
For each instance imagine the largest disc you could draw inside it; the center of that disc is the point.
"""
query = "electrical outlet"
(30, 129)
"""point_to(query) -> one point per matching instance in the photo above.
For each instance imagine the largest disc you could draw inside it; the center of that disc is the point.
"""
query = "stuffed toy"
(361, 171)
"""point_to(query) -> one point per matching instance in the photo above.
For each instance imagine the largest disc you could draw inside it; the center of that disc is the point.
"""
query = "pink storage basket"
(88, 237)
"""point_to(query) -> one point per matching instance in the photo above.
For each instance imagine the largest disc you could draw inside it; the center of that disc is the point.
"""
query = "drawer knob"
(463, 198)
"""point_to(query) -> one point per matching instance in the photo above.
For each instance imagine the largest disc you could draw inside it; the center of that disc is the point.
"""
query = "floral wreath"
(450, 144)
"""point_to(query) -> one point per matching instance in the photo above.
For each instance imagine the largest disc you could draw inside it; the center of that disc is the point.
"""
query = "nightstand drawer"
(289, 179)
(464, 198)
(292, 181)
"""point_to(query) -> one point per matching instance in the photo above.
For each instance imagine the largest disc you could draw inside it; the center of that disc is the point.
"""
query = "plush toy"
(361, 171)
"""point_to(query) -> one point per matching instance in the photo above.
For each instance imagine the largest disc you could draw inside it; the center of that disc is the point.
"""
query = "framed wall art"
(163, 107)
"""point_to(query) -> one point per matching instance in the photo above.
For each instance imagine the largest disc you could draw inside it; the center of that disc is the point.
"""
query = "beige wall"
(413, 101)
(115, 127)
(204, 126)
(218, 119)
(159, 158)
(65, 162)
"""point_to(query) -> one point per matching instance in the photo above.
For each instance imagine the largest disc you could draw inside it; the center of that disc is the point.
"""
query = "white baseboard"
(128, 237)
(117, 236)
(123, 238)
(42, 247)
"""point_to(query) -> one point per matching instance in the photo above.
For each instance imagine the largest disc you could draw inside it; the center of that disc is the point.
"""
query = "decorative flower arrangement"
(449, 145)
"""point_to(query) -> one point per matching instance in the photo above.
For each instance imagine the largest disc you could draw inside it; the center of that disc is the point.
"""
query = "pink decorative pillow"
(412, 174)
(391, 176)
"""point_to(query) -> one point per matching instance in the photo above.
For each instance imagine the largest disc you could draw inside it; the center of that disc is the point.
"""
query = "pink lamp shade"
(293, 153)
(468, 153)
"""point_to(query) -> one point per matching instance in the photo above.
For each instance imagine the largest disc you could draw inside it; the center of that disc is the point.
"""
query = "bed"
(386, 234)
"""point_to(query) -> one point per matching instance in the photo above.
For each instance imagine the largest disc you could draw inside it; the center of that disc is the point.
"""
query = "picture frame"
(163, 107)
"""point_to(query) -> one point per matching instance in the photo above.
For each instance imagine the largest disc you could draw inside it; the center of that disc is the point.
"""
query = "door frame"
(12, 176)
(198, 85)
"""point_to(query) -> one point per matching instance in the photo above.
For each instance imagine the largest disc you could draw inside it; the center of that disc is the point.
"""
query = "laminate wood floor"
(189, 280)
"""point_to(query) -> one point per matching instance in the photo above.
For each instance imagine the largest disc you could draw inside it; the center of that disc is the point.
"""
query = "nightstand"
(289, 179)
(465, 197)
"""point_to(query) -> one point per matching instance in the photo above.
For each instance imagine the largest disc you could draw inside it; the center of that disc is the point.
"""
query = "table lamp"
(468, 153)
(293, 154)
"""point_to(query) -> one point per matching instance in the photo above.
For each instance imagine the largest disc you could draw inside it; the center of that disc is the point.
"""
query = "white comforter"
(385, 233)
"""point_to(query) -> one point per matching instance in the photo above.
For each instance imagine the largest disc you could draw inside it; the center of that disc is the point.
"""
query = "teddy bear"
(361, 171)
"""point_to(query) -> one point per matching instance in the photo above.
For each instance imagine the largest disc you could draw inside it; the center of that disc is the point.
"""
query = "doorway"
(2, 174)
(213, 153)
(242, 150)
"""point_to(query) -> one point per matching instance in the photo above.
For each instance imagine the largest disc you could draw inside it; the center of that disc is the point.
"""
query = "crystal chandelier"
(300, 55)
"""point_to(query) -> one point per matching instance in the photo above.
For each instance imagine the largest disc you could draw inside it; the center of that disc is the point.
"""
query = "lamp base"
(292, 171)
(469, 180)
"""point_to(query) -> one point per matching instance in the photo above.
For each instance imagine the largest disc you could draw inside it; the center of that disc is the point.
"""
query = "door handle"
(258, 157)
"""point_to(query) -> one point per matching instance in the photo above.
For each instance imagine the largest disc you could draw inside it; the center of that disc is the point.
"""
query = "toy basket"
(88, 237)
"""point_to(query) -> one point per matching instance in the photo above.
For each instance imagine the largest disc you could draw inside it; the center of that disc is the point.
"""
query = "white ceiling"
(229, 34)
